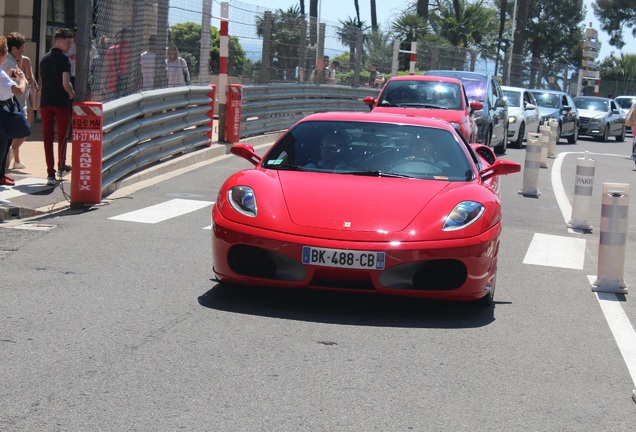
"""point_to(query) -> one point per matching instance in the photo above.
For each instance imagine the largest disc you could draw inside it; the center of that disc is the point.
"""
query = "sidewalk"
(31, 195)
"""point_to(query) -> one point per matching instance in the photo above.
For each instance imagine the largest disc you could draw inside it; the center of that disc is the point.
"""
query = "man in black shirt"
(55, 102)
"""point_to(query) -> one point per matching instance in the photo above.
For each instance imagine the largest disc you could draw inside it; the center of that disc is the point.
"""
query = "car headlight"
(512, 119)
(595, 122)
(464, 214)
(243, 200)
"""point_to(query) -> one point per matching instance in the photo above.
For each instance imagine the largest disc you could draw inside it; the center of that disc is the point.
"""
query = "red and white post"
(223, 68)
(86, 181)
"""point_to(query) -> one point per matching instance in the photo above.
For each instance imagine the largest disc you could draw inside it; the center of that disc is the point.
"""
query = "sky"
(334, 10)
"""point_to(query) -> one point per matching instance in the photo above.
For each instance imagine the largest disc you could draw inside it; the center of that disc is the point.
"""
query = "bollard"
(86, 181)
(545, 140)
(531, 166)
(554, 138)
(611, 249)
(583, 184)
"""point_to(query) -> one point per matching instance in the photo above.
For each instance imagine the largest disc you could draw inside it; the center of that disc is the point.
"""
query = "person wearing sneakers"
(12, 84)
(55, 102)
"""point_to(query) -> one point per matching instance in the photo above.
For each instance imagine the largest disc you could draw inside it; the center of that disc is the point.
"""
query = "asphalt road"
(116, 325)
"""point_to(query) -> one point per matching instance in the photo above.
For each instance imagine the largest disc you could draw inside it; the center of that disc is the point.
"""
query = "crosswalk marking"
(164, 211)
(556, 251)
(25, 186)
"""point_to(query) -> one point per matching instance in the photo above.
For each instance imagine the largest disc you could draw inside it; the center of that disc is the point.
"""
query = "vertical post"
(204, 54)
(554, 138)
(267, 45)
(223, 69)
(302, 50)
(611, 248)
(86, 182)
(320, 52)
(583, 185)
(545, 141)
(531, 166)
(412, 58)
(212, 96)
(396, 53)
(82, 63)
(358, 59)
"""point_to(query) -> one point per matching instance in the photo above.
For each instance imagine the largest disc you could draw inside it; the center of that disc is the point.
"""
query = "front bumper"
(456, 270)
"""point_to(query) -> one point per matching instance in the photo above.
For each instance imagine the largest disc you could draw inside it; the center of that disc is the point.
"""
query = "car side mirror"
(499, 167)
(246, 151)
(501, 102)
(567, 108)
(531, 107)
(369, 101)
(476, 106)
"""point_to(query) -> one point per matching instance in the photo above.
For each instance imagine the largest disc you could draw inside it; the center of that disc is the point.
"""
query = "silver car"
(600, 117)
(523, 114)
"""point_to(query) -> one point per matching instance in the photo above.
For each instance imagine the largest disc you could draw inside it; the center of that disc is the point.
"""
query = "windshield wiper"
(286, 167)
(378, 174)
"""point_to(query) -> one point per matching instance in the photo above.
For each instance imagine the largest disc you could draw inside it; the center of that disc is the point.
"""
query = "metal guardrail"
(142, 129)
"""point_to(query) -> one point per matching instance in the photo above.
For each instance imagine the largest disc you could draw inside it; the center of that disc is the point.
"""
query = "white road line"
(25, 186)
(164, 211)
(556, 251)
(620, 326)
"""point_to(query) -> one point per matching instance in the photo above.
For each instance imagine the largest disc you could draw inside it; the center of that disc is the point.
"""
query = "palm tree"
(348, 34)
(374, 17)
(285, 41)
(408, 28)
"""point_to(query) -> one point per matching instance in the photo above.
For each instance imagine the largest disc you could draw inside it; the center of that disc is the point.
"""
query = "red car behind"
(442, 98)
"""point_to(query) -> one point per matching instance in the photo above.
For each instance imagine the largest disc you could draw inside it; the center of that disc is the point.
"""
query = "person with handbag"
(177, 68)
(55, 106)
(11, 85)
(16, 44)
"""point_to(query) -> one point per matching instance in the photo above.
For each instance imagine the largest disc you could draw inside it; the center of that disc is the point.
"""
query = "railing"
(148, 127)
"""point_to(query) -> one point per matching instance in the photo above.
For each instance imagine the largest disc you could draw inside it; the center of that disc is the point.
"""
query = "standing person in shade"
(8, 89)
(118, 61)
(16, 43)
(331, 72)
(177, 69)
(148, 64)
(57, 93)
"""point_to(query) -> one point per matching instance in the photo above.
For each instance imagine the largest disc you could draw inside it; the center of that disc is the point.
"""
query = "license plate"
(343, 258)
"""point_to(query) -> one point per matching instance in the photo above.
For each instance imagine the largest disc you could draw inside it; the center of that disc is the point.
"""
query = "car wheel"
(572, 139)
(501, 148)
(489, 299)
(606, 134)
(522, 131)
(558, 133)
(488, 137)
(621, 137)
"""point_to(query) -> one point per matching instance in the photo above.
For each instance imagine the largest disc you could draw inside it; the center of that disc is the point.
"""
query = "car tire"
(558, 133)
(572, 139)
(488, 137)
(501, 148)
(621, 137)
(605, 137)
(519, 142)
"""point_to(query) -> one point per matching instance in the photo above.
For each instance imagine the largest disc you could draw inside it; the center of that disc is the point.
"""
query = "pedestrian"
(330, 76)
(99, 70)
(57, 93)
(148, 64)
(16, 43)
(12, 84)
(177, 68)
(118, 60)
(376, 79)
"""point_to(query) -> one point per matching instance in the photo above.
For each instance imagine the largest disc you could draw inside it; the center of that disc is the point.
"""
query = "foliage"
(348, 34)
(285, 41)
(615, 16)
(187, 38)
(623, 67)
(462, 23)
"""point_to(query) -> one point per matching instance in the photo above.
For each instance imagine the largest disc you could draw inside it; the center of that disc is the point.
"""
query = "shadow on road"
(346, 308)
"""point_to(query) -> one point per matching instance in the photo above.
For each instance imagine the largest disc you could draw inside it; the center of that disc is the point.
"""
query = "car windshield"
(371, 149)
(625, 102)
(421, 94)
(513, 98)
(591, 104)
(547, 100)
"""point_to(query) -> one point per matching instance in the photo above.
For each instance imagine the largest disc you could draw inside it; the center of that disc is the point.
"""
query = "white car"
(625, 102)
(523, 114)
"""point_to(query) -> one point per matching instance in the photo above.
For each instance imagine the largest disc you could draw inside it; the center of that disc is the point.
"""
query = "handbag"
(34, 97)
(13, 122)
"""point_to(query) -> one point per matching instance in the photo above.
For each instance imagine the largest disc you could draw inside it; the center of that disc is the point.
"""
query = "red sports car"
(437, 97)
(365, 202)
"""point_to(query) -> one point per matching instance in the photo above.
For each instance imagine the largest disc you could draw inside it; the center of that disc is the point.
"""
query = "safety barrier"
(145, 128)
(531, 166)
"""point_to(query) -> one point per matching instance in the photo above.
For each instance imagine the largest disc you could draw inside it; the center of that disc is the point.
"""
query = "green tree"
(615, 16)
(408, 28)
(348, 34)
(285, 41)
(187, 37)
(619, 68)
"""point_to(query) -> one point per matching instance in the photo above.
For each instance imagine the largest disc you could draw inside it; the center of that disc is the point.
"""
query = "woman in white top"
(177, 68)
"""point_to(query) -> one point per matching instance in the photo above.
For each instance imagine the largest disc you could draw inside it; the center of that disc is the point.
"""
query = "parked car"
(492, 120)
(625, 102)
(434, 97)
(367, 202)
(523, 114)
(558, 105)
(600, 118)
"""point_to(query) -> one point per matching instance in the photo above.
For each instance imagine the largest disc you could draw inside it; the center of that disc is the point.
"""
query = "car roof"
(371, 116)
(520, 89)
(456, 73)
(600, 98)
(557, 92)
(427, 78)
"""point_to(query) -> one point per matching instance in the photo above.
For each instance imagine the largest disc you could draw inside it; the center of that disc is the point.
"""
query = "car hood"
(440, 114)
(591, 114)
(515, 111)
(356, 203)
(549, 112)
